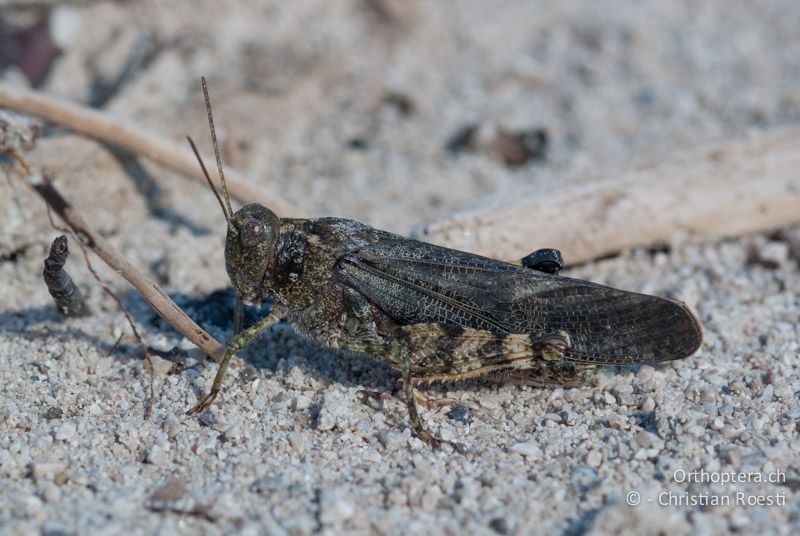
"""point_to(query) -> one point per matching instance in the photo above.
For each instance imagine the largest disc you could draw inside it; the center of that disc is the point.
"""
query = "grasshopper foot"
(416, 422)
(205, 404)
(436, 442)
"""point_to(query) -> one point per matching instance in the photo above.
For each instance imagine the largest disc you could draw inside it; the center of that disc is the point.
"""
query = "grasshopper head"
(252, 236)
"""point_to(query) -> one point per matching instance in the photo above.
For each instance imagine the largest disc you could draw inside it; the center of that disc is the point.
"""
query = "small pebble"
(529, 450)
(645, 372)
(390, 440)
(302, 403)
(336, 511)
(460, 413)
(46, 469)
(51, 492)
(267, 484)
(332, 407)
(52, 412)
(774, 254)
(499, 525)
(298, 442)
(220, 424)
(169, 495)
(65, 432)
(158, 455)
(583, 478)
(644, 439)
(594, 459)
(206, 418)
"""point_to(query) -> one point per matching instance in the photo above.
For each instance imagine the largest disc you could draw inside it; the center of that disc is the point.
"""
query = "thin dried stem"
(115, 131)
(148, 408)
(115, 345)
(151, 292)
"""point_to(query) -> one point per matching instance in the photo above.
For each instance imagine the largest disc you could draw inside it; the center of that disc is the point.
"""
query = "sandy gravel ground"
(350, 109)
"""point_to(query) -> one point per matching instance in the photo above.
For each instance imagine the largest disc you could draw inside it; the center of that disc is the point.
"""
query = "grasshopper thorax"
(251, 240)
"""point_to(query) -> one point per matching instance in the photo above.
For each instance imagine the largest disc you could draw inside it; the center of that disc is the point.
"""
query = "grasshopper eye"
(251, 233)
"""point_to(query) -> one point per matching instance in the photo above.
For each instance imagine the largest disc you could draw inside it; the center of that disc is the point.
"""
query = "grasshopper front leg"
(240, 341)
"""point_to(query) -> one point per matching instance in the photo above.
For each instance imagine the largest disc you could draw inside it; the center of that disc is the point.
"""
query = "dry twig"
(724, 191)
(151, 292)
(62, 248)
(123, 134)
(151, 370)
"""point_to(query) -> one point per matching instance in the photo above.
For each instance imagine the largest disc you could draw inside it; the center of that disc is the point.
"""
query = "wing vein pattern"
(419, 283)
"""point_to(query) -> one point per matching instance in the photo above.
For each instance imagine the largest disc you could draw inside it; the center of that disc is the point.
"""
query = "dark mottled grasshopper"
(437, 314)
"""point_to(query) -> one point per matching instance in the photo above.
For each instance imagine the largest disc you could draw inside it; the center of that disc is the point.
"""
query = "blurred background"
(400, 111)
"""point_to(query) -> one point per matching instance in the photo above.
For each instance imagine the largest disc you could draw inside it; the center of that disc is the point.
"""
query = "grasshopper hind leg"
(414, 419)
(565, 375)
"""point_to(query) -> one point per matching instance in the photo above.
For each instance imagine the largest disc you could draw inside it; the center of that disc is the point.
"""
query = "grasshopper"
(436, 314)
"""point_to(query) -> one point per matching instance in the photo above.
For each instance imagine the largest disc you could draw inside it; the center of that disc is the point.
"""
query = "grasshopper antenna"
(216, 147)
(208, 179)
(238, 315)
